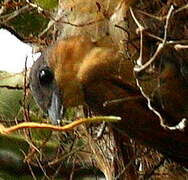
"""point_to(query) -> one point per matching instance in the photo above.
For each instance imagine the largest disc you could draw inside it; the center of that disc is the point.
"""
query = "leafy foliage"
(47, 4)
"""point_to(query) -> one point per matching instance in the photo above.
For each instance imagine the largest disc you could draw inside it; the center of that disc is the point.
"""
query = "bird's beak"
(55, 110)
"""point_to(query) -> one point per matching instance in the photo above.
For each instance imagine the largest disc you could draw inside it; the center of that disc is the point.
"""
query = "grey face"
(45, 91)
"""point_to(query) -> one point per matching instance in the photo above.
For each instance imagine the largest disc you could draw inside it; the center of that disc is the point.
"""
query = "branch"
(68, 127)
(3, 7)
(139, 67)
(180, 46)
(11, 87)
(12, 15)
(141, 30)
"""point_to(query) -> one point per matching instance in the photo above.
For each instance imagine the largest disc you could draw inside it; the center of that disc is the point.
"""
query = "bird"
(78, 71)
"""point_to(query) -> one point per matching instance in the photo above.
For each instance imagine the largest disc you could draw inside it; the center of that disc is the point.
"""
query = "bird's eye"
(45, 76)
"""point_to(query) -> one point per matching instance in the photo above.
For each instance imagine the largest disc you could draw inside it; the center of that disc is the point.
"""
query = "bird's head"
(53, 77)
(45, 90)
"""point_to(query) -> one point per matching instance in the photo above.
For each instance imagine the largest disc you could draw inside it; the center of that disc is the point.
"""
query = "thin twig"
(180, 46)
(12, 15)
(122, 28)
(34, 150)
(141, 30)
(26, 114)
(31, 170)
(68, 127)
(138, 67)
(159, 18)
(39, 9)
(169, 15)
(181, 9)
(56, 161)
(42, 168)
(11, 87)
(120, 100)
(153, 36)
(71, 176)
(3, 6)
(101, 130)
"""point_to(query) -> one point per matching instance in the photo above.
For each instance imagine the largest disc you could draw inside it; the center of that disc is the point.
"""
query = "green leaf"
(47, 4)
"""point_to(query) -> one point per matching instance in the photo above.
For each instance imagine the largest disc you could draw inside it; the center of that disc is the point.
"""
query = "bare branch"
(181, 9)
(140, 67)
(12, 15)
(180, 46)
(140, 30)
(68, 127)
(3, 7)
(11, 87)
